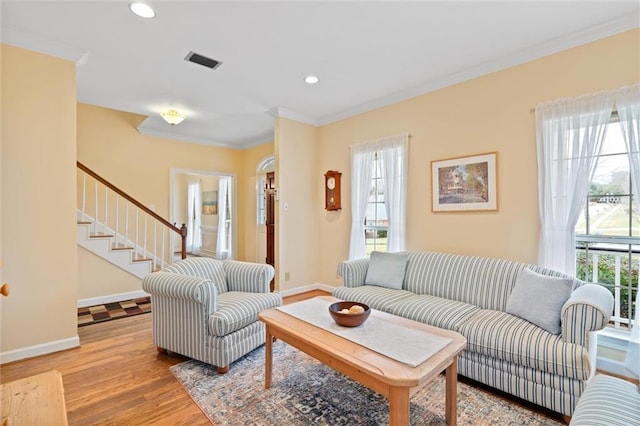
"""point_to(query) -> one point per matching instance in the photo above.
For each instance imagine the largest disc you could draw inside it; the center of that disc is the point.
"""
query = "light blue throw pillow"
(539, 299)
(386, 269)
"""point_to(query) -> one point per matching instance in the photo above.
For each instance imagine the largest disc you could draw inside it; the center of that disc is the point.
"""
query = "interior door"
(271, 221)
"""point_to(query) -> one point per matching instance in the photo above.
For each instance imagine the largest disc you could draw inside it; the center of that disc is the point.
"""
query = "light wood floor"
(117, 377)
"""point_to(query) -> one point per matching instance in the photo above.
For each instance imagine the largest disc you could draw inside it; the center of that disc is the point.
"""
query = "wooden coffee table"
(393, 379)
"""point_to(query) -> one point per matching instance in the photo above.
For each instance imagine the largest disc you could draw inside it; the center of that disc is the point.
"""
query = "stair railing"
(150, 238)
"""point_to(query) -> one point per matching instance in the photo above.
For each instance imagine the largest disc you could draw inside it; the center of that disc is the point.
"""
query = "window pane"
(609, 215)
(611, 176)
(635, 220)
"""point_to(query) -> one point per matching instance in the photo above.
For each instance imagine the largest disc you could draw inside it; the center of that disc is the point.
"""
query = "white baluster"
(155, 247)
(616, 309)
(95, 212)
(126, 223)
(594, 278)
(145, 250)
(164, 241)
(135, 252)
(84, 195)
(117, 219)
(106, 214)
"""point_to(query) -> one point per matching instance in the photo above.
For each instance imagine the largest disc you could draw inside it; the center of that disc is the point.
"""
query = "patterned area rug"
(109, 311)
(306, 392)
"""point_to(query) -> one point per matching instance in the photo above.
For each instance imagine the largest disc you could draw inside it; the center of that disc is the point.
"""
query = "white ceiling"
(367, 54)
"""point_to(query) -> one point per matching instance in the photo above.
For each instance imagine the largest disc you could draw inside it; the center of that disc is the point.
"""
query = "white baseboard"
(41, 349)
(614, 367)
(83, 303)
(304, 289)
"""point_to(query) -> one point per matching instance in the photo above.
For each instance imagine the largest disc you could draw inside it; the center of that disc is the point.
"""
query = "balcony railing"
(614, 264)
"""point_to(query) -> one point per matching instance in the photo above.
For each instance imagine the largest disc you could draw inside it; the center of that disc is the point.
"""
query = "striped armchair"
(207, 309)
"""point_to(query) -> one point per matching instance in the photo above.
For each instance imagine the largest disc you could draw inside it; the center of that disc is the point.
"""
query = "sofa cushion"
(432, 310)
(539, 298)
(238, 309)
(380, 298)
(507, 337)
(480, 281)
(203, 267)
(386, 269)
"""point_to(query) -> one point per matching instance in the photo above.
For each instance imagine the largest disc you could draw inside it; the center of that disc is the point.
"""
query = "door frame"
(174, 172)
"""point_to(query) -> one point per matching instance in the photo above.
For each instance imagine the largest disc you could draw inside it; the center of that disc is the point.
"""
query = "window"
(608, 230)
(376, 224)
(589, 191)
(378, 196)
(265, 166)
(262, 200)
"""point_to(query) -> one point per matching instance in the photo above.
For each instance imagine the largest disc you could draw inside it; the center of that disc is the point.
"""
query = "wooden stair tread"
(80, 222)
(142, 259)
(121, 247)
(100, 235)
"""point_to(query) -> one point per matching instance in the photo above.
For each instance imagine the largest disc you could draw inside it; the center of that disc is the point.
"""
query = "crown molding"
(292, 115)
(187, 138)
(182, 137)
(30, 41)
(572, 40)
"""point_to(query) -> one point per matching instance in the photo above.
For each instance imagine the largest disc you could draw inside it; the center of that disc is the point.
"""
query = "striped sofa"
(469, 295)
(207, 309)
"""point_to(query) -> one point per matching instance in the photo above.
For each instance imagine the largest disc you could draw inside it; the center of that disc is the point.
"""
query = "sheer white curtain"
(362, 157)
(569, 136)
(194, 216)
(392, 151)
(223, 246)
(628, 104)
(395, 161)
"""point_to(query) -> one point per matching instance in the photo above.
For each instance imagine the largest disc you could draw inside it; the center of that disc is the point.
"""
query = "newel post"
(183, 235)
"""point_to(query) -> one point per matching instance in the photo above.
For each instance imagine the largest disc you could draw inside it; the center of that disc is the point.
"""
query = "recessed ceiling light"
(311, 79)
(142, 10)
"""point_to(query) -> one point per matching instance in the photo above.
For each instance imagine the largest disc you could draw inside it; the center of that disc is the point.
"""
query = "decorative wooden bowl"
(350, 319)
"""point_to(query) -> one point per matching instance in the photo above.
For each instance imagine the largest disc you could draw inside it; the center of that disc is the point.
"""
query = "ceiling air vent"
(202, 60)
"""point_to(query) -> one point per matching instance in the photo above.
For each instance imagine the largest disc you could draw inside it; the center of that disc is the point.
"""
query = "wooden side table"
(35, 400)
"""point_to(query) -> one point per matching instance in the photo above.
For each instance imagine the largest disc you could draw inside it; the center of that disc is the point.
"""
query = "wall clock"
(332, 190)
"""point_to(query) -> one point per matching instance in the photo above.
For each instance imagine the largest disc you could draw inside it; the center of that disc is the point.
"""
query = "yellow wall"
(248, 192)
(298, 204)
(38, 201)
(490, 113)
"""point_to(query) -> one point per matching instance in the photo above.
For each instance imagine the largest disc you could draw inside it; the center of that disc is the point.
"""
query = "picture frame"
(465, 184)
(210, 202)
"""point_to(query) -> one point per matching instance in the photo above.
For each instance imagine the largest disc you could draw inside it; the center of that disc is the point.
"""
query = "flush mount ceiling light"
(142, 10)
(173, 117)
(311, 79)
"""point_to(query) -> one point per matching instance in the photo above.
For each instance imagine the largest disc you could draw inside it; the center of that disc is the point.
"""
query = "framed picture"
(210, 202)
(464, 184)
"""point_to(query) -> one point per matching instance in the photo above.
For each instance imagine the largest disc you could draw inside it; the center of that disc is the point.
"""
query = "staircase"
(121, 230)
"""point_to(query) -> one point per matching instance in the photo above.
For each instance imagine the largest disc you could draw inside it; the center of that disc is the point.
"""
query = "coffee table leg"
(398, 406)
(451, 399)
(268, 359)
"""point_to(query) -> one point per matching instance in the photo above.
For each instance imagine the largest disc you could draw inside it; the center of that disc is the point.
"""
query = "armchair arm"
(588, 309)
(184, 287)
(247, 276)
(353, 272)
